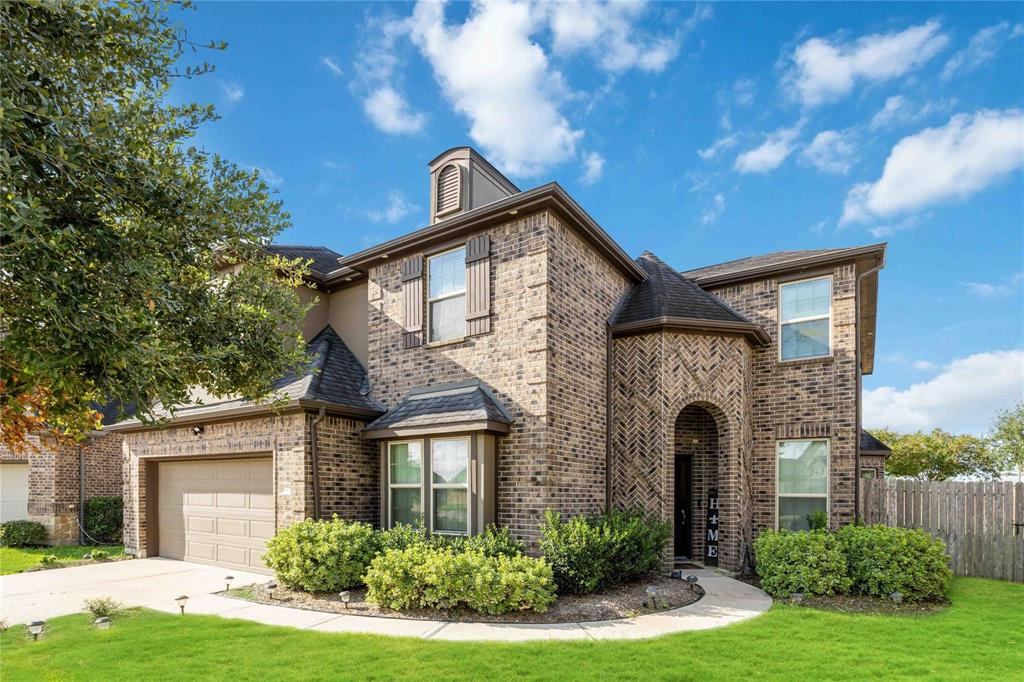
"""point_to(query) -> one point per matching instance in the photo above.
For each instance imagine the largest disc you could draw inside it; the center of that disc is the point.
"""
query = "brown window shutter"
(478, 285)
(412, 301)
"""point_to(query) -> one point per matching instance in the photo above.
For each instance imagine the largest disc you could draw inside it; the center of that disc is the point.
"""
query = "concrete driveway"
(154, 583)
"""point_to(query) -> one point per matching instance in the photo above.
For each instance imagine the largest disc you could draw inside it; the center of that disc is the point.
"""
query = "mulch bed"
(869, 605)
(622, 601)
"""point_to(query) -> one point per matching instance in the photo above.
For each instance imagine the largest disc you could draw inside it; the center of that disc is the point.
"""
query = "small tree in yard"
(1007, 437)
(938, 455)
(113, 231)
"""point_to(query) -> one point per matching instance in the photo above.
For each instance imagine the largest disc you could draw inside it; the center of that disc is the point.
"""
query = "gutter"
(81, 495)
(211, 415)
(754, 332)
(795, 265)
(856, 357)
(314, 456)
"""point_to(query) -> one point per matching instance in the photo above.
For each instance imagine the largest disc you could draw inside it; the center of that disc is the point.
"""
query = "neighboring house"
(50, 482)
(873, 454)
(510, 358)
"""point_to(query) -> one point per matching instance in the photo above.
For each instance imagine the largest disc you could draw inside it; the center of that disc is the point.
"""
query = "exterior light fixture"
(227, 582)
(35, 628)
(691, 579)
(897, 597)
(797, 597)
(102, 623)
(271, 586)
(181, 601)
(345, 597)
(197, 429)
(677, 573)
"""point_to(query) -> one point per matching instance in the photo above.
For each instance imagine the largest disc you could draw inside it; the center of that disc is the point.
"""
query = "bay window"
(439, 499)
(405, 482)
(805, 319)
(802, 482)
(449, 480)
(446, 295)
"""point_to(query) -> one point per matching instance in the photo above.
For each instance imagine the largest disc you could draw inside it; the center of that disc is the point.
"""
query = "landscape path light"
(102, 623)
(35, 628)
(181, 601)
(345, 597)
(227, 582)
(271, 586)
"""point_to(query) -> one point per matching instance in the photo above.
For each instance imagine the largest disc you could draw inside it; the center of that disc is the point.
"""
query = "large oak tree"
(114, 228)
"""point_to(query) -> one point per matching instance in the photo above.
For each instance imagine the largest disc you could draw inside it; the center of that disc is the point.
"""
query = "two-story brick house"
(510, 358)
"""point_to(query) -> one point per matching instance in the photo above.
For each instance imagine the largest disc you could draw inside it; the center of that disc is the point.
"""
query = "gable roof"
(464, 406)
(324, 260)
(667, 298)
(870, 444)
(779, 261)
(335, 380)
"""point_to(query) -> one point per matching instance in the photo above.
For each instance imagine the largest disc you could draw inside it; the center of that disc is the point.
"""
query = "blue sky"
(701, 132)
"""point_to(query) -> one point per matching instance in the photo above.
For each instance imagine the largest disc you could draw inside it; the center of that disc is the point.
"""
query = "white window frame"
(431, 301)
(828, 476)
(811, 318)
(451, 486)
(406, 486)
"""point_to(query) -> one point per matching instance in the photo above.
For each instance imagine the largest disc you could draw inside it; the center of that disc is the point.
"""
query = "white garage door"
(13, 491)
(218, 511)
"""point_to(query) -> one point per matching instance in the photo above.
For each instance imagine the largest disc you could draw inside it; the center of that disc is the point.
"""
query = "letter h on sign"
(711, 538)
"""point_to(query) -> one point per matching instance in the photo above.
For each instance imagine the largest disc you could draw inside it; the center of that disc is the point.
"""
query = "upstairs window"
(805, 319)
(448, 189)
(446, 295)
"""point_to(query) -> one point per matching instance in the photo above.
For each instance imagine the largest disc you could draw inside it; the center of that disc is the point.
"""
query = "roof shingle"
(324, 260)
(868, 443)
(460, 403)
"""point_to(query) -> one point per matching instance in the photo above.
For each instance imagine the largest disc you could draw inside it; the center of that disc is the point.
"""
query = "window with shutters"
(448, 189)
(446, 295)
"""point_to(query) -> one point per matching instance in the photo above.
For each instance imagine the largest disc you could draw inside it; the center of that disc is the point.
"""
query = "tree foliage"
(114, 229)
(938, 455)
(1007, 437)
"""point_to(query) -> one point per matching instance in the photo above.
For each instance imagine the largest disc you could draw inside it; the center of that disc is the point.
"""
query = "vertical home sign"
(711, 532)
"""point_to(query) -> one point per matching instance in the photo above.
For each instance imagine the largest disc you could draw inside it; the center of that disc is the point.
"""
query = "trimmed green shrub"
(322, 556)
(882, 560)
(591, 553)
(103, 518)
(494, 541)
(402, 536)
(426, 576)
(99, 554)
(48, 559)
(22, 534)
(103, 606)
(817, 520)
(811, 562)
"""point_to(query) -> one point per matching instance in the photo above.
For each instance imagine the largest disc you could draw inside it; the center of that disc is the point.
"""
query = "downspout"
(81, 495)
(315, 457)
(856, 355)
(608, 420)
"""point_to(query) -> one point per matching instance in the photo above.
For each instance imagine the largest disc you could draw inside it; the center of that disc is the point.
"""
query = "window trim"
(828, 476)
(811, 318)
(405, 486)
(430, 301)
(452, 486)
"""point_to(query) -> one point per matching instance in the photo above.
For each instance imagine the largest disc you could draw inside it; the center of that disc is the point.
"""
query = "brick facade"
(349, 470)
(55, 482)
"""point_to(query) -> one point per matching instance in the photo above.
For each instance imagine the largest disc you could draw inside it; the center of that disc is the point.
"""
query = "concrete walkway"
(155, 582)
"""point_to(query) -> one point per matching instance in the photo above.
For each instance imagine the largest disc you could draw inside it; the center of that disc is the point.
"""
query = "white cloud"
(899, 110)
(937, 164)
(831, 151)
(963, 397)
(893, 108)
(331, 65)
(825, 71)
(389, 112)
(720, 145)
(983, 46)
(995, 289)
(743, 92)
(232, 91)
(396, 208)
(714, 211)
(492, 72)
(924, 365)
(608, 31)
(769, 154)
(593, 168)
(268, 176)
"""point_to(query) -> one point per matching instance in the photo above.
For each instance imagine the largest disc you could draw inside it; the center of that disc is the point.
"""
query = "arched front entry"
(696, 456)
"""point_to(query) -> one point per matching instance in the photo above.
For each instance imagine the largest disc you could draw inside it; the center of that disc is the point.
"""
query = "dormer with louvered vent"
(461, 180)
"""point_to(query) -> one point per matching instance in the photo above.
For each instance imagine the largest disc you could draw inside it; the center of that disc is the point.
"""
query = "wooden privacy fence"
(981, 523)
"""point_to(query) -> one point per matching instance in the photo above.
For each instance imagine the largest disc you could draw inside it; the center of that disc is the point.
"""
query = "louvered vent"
(448, 189)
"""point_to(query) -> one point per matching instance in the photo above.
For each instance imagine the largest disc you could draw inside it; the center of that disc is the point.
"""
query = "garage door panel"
(224, 511)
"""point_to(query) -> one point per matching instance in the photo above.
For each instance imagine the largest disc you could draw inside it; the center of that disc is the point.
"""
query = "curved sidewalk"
(725, 601)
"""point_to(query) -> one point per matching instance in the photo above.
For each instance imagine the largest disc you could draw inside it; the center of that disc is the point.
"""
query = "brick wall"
(876, 462)
(349, 470)
(103, 468)
(805, 398)
(655, 376)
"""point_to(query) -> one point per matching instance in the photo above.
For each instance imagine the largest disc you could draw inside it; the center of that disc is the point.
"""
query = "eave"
(427, 430)
(795, 266)
(754, 333)
(212, 413)
(546, 197)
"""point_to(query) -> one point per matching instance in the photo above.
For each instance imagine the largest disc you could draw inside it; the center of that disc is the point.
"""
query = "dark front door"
(683, 512)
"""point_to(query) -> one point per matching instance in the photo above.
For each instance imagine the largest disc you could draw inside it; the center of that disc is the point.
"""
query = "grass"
(981, 636)
(17, 559)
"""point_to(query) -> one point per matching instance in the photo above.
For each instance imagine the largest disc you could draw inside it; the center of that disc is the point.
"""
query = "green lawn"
(980, 637)
(17, 559)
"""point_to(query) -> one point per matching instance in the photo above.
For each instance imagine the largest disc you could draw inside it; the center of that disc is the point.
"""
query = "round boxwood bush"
(322, 556)
(428, 576)
(884, 560)
(104, 515)
(22, 534)
(808, 562)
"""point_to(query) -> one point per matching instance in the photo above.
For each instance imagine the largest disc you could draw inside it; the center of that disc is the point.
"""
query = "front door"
(683, 512)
